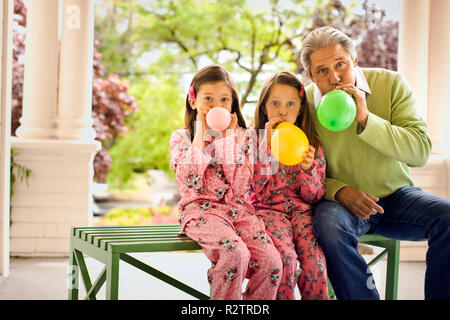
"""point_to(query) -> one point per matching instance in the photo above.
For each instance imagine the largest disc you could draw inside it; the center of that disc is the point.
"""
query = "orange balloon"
(289, 144)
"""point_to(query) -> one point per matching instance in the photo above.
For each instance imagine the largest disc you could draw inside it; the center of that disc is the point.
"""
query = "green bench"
(110, 244)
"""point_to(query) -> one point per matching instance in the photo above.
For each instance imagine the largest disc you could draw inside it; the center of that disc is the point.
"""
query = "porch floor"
(47, 278)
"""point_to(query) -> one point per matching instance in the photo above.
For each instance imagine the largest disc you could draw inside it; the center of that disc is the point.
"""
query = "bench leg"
(163, 277)
(83, 270)
(331, 295)
(92, 293)
(73, 280)
(112, 276)
(392, 270)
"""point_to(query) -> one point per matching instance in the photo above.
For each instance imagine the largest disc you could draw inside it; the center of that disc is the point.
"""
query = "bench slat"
(84, 234)
(76, 231)
(91, 236)
(151, 243)
(100, 242)
(125, 247)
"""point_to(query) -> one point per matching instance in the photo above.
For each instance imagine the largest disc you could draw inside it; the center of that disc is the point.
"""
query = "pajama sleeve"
(312, 187)
(236, 153)
(265, 168)
(187, 161)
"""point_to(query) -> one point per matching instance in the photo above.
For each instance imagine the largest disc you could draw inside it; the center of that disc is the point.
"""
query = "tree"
(111, 102)
(146, 144)
(111, 105)
(20, 21)
(184, 35)
(116, 32)
(378, 45)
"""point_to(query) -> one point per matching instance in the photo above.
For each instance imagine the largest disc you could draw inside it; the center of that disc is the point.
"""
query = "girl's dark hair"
(303, 121)
(211, 74)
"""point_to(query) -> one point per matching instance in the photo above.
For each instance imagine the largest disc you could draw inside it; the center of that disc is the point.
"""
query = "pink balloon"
(218, 118)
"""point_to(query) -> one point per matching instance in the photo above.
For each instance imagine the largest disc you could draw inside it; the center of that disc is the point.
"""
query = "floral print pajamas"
(282, 197)
(215, 212)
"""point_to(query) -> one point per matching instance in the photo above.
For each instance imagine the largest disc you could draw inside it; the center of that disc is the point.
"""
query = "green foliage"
(146, 144)
(133, 216)
(183, 35)
(115, 31)
(21, 171)
(126, 216)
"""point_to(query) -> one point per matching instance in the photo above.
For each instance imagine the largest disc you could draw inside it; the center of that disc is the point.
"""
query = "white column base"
(36, 128)
(58, 195)
(75, 129)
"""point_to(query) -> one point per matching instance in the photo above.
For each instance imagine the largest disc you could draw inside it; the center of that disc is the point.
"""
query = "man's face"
(332, 66)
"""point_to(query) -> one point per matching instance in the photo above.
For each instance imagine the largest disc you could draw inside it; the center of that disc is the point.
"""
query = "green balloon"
(336, 110)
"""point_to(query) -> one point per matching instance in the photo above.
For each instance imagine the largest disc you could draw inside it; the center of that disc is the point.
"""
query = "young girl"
(282, 195)
(213, 171)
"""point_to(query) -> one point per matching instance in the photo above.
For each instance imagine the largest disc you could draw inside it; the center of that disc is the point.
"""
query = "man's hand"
(360, 203)
(360, 99)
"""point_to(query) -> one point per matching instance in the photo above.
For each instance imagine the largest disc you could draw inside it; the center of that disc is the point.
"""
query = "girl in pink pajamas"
(282, 195)
(213, 170)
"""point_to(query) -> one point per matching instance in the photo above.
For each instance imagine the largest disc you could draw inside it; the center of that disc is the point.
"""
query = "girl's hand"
(200, 127)
(202, 111)
(308, 160)
(233, 124)
(269, 128)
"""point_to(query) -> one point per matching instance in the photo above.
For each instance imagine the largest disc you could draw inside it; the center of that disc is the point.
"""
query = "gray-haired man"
(368, 187)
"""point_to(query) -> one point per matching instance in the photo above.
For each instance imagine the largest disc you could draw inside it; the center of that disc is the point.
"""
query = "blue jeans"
(409, 214)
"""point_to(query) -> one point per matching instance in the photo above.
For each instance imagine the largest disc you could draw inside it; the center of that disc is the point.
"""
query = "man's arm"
(331, 187)
(405, 137)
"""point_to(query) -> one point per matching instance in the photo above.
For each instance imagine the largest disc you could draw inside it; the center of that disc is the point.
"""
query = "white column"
(59, 193)
(41, 71)
(6, 17)
(74, 119)
(439, 76)
(413, 49)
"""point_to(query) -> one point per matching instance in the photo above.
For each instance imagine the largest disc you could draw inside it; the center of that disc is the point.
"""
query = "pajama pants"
(294, 239)
(237, 251)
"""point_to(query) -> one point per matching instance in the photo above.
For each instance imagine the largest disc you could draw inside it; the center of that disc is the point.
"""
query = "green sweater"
(376, 160)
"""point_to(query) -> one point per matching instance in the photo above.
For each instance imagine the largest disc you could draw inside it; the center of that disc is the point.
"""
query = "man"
(368, 187)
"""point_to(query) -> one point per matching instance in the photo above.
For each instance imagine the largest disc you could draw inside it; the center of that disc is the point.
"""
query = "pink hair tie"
(302, 91)
(191, 93)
